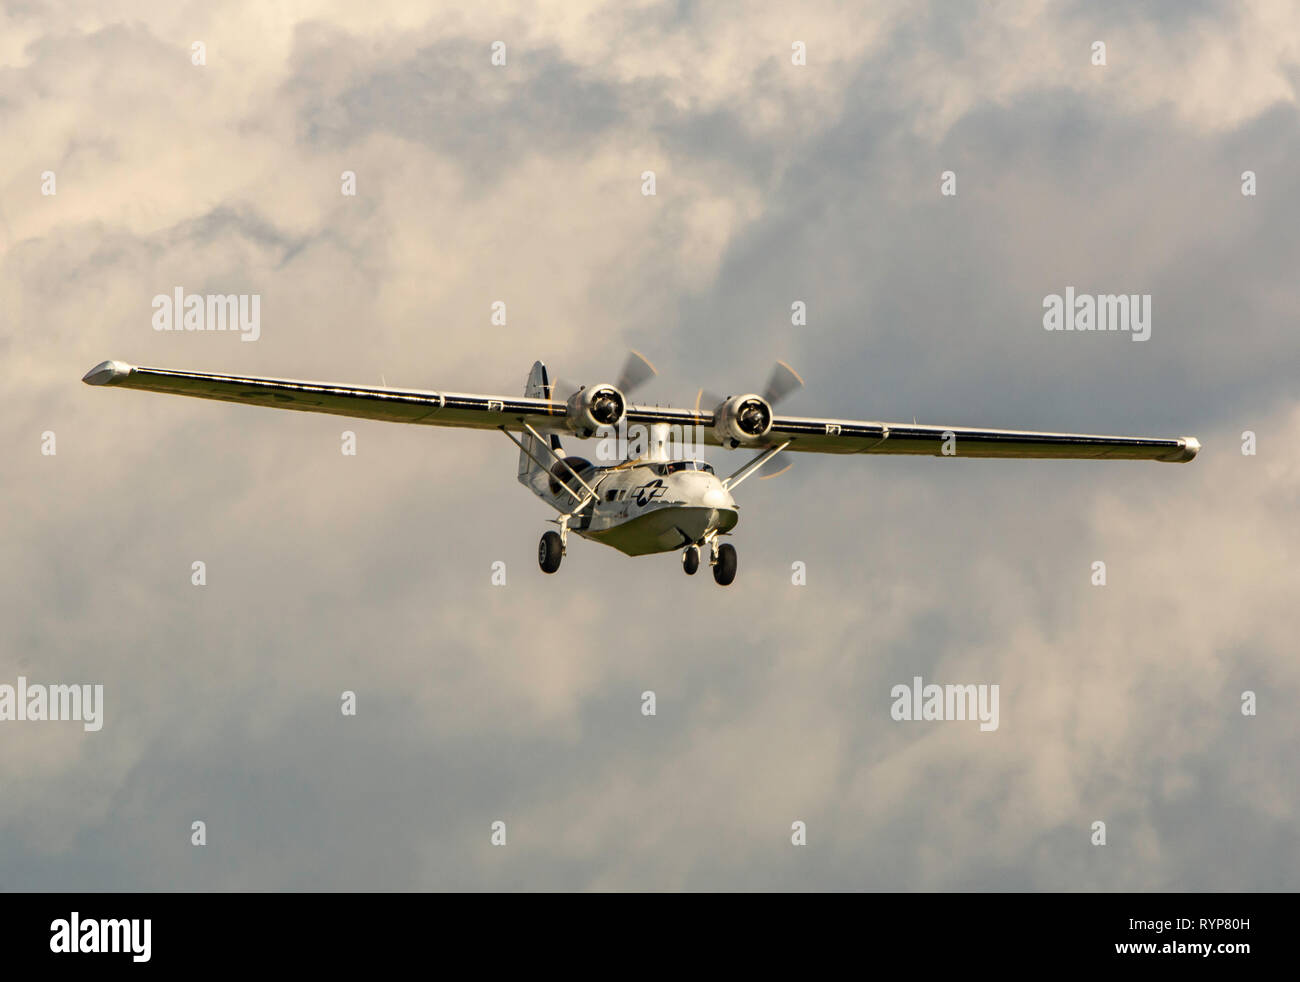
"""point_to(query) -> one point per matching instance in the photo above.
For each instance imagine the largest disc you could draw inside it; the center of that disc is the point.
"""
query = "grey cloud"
(521, 703)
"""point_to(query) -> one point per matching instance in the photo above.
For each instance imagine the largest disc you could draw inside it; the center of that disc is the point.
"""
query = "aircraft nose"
(717, 498)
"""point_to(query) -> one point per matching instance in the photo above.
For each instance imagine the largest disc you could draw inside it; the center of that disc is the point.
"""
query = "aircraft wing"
(804, 434)
(852, 436)
(848, 436)
(359, 401)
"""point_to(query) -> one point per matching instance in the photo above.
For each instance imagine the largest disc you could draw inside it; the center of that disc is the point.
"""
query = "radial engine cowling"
(593, 407)
(742, 420)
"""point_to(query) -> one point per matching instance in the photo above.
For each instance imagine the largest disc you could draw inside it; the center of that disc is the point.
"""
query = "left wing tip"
(106, 373)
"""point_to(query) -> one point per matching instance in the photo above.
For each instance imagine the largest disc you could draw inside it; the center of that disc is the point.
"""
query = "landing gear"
(721, 557)
(724, 564)
(691, 560)
(551, 550)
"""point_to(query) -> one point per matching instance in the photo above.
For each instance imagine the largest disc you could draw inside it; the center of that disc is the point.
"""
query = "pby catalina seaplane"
(644, 500)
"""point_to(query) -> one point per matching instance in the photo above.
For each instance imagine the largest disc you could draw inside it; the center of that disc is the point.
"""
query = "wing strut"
(547, 447)
(563, 520)
(753, 465)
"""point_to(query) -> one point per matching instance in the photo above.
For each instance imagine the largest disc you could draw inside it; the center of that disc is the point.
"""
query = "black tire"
(724, 570)
(550, 552)
(691, 560)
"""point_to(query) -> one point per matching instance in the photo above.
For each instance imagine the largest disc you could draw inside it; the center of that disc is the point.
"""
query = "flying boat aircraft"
(640, 497)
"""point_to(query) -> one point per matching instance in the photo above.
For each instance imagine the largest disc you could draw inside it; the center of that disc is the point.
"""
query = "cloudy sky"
(776, 182)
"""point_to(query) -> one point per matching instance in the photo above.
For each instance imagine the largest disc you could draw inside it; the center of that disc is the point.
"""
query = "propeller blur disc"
(637, 371)
(783, 381)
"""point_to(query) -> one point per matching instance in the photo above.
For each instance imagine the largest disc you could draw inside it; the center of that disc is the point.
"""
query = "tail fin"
(535, 477)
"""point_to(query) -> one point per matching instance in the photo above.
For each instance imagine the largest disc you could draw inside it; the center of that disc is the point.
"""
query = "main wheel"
(724, 570)
(691, 560)
(549, 552)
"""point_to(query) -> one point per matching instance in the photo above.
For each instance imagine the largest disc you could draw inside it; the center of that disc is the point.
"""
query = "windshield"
(687, 465)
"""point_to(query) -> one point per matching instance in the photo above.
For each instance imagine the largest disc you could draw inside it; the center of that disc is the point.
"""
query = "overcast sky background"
(521, 703)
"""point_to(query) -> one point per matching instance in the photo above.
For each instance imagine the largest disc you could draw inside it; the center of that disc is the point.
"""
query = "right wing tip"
(106, 373)
(1188, 448)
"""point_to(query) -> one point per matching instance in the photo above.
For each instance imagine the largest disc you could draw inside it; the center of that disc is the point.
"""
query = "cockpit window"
(686, 465)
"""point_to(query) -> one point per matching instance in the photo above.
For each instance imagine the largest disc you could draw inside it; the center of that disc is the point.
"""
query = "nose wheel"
(724, 564)
(722, 558)
(550, 551)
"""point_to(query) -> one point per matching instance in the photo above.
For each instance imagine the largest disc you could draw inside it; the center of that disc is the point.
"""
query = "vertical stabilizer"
(537, 479)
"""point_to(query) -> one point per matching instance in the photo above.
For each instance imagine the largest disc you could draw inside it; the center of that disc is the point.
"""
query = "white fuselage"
(658, 506)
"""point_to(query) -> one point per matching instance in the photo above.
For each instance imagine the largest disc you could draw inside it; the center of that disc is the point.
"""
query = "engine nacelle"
(741, 420)
(593, 407)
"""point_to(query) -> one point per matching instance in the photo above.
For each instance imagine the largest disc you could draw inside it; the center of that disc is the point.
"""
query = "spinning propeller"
(637, 371)
(783, 382)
